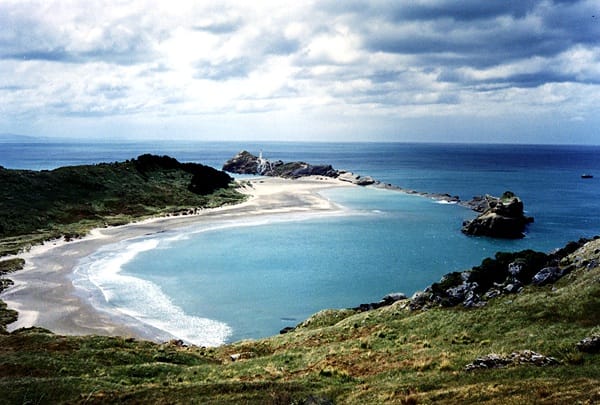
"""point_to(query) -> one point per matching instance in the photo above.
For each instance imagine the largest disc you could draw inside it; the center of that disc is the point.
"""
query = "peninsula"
(499, 217)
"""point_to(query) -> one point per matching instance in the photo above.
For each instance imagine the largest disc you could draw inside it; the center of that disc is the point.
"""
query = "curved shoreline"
(44, 295)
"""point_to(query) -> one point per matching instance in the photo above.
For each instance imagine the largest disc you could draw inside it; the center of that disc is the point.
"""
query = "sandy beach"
(44, 295)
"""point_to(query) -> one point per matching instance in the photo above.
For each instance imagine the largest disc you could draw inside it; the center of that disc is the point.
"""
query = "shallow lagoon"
(229, 281)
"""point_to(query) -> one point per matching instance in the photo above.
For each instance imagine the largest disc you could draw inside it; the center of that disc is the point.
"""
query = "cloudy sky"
(405, 70)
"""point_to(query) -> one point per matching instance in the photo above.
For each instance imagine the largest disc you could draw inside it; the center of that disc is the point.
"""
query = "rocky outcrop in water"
(247, 163)
(500, 217)
(242, 163)
(356, 178)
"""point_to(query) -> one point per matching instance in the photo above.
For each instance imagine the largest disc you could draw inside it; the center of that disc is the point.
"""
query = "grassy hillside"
(39, 205)
(389, 355)
(413, 351)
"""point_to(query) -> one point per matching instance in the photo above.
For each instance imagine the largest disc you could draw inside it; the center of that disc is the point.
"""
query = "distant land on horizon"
(20, 138)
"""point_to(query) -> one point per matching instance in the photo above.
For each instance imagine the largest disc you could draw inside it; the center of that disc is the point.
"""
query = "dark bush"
(448, 281)
(205, 179)
(34, 201)
(147, 163)
(496, 270)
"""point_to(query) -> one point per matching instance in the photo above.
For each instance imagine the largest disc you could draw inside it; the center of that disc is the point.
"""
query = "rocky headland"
(505, 274)
(247, 163)
(499, 217)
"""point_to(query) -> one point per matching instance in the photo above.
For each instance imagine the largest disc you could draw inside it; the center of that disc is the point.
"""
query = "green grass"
(36, 206)
(389, 355)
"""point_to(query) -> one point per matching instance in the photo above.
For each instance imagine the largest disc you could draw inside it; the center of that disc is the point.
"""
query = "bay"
(260, 277)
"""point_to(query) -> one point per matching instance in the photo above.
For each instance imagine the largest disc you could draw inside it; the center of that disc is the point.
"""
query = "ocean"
(228, 281)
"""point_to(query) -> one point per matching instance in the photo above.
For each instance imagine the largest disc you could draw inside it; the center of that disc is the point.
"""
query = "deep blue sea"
(227, 281)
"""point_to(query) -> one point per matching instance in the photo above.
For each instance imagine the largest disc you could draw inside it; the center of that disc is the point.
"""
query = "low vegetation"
(398, 354)
(69, 201)
(388, 355)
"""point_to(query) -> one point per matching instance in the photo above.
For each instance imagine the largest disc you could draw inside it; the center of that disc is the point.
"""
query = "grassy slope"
(389, 355)
(36, 206)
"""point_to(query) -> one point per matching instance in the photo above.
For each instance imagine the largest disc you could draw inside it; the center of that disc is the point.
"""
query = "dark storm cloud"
(518, 80)
(477, 34)
(410, 10)
(467, 11)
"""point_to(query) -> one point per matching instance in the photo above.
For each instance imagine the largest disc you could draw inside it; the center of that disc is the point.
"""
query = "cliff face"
(500, 217)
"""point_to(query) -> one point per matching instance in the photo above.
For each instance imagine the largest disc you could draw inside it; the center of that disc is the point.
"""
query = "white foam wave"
(100, 279)
(142, 299)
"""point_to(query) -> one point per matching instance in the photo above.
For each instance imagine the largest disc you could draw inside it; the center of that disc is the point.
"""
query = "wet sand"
(44, 295)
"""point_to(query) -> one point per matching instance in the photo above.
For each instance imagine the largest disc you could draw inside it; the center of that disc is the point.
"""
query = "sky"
(500, 71)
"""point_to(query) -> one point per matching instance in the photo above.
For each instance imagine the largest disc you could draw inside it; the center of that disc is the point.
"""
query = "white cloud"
(235, 67)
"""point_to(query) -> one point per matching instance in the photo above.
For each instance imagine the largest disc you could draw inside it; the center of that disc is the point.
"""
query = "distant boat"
(587, 176)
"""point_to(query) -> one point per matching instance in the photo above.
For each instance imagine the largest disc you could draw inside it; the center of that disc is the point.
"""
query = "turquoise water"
(252, 279)
(227, 281)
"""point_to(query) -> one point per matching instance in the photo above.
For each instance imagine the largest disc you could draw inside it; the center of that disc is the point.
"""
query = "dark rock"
(387, 300)
(356, 179)
(242, 163)
(247, 163)
(286, 330)
(501, 218)
(365, 181)
(589, 344)
(473, 300)
(506, 273)
(177, 343)
(492, 293)
(314, 170)
(516, 358)
(478, 203)
(393, 297)
(513, 288)
(515, 268)
(547, 275)
(490, 361)
(5, 284)
(420, 300)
